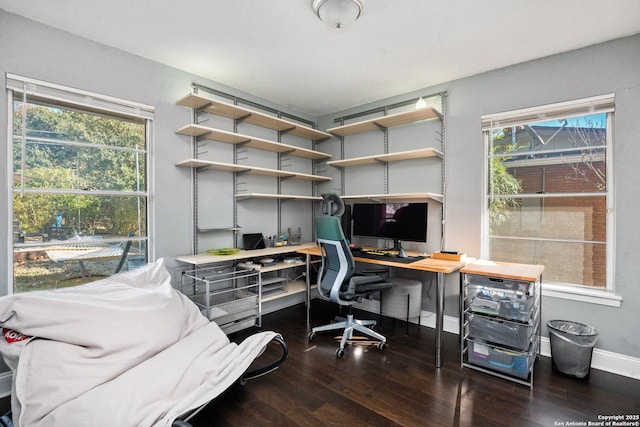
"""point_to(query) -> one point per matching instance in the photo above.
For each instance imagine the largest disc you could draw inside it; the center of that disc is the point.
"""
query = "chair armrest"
(360, 286)
(369, 278)
(258, 372)
(381, 270)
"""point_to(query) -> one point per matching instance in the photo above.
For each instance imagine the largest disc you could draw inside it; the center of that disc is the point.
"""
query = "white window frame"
(84, 100)
(597, 104)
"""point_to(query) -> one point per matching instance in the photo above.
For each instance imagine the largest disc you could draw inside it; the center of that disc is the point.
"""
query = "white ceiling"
(280, 51)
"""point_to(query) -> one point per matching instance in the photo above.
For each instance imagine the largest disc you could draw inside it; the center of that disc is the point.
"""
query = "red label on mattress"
(12, 336)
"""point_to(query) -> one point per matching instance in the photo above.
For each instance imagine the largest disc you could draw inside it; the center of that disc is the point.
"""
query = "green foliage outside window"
(79, 195)
(501, 182)
(71, 150)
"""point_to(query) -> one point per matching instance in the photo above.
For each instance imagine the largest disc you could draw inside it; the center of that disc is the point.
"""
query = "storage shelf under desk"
(230, 298)
(271, 288)
(292, 287)
(204, 258)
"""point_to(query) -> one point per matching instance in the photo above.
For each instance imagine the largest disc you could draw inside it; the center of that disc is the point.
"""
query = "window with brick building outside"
(547, 198)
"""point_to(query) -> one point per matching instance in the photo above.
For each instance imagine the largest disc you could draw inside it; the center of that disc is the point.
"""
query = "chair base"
(350, 325)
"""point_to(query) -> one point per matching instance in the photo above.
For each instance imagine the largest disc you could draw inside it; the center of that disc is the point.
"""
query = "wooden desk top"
(505, 270)
(201, 259)
(427, 264)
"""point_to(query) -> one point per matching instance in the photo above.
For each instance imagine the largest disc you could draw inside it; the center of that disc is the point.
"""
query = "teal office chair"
(337, 282)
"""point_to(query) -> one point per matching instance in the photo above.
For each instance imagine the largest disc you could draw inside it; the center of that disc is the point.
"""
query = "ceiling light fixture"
(338, 13)
(421, 103)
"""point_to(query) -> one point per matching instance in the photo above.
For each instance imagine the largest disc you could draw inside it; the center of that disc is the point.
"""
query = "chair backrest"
(337, 262)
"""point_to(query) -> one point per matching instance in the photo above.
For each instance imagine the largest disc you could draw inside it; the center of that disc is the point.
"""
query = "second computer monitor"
(394, 221)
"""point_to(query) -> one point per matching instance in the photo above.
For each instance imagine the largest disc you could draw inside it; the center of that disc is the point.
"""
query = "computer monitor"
(251, 241)
(394, 221)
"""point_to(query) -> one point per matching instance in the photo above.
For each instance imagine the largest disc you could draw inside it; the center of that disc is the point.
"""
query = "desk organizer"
(449, 257)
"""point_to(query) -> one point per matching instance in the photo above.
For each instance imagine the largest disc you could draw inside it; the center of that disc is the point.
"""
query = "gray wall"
(40, 52)
(612, 67)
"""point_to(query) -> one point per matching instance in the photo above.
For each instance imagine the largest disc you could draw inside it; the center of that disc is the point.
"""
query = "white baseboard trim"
(604, 360)
(616, 363)
(5, 384)
(451, 324)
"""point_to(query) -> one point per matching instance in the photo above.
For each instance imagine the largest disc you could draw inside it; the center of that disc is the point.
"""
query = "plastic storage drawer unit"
(502, 332)
(500, 319)
(510, 362)
(511, 300)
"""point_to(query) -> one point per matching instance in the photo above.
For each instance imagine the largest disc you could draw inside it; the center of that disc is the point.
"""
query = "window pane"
(69, 226)
(547, 197)
(547, 139)
(72, 264)
(45, 217)
(80, 168)
(66, 149)
(57, 123)
(565, 262)
(578, 177)
(567, 156)
(560, 218)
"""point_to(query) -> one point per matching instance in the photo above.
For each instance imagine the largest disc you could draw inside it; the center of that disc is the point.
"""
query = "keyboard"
(380, 253)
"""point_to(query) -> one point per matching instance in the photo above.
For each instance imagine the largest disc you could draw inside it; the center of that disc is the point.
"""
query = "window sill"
(582, 294)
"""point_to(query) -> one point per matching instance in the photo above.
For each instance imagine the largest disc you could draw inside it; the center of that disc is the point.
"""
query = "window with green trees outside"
(80, 192)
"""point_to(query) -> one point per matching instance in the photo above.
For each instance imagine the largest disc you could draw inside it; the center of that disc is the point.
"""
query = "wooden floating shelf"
(225, 167)
(245, 196)
(219, 108)
(386, 158)
(385, 122)
(254, 170)
(217, 229)
(399, 197)
(249, 141)
(309, 177)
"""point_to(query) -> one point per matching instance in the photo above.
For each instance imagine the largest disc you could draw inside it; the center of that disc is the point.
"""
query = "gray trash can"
(571, 347)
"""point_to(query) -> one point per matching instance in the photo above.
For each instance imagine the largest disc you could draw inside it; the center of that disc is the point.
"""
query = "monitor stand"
(398, 247)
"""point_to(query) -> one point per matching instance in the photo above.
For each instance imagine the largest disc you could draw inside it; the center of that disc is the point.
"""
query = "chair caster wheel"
(340, 353)
(311, 336)
(382, 346)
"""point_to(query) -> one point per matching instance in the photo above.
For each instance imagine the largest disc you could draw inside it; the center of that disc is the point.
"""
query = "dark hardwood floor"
(400, 385)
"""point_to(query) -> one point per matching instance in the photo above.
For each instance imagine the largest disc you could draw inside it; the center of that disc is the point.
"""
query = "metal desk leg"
(308, 280)
(439, 316)
(461, 318)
